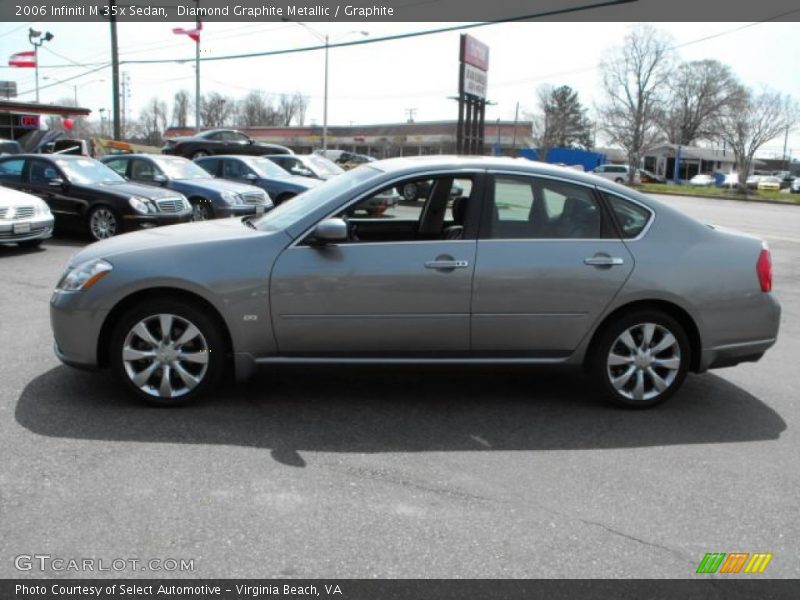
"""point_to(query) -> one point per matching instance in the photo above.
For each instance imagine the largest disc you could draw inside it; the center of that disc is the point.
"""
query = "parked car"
(753, 181)
(9, 147)
(795, 186)
(219, 141)
(702, 180)
(260, 172)
(769, 184)
(307, 165)
(83, 192)
(650, 177)
(637, 292)
(24, 218)
(208, 196)
(616, 173)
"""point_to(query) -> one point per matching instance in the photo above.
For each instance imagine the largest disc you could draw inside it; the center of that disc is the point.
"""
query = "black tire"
(30, 243)
(619, 180)
(199, 154)
(209, 345)
(202, 210)
(669, 365)
(410, 192)
(103, 222)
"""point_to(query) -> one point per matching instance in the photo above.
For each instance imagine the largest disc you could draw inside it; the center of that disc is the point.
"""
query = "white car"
(24, 219)
(617, 173)
(702, 180)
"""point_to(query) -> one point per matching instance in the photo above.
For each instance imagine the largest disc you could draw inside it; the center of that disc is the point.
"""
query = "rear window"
(11, 170)
(631, 218)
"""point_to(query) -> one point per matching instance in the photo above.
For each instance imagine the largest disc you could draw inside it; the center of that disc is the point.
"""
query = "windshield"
(88, 170)
(181, 168)
(324, 166)
(266, 168)
(288, 213)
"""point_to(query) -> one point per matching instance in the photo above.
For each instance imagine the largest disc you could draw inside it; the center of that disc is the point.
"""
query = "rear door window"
(11, 170)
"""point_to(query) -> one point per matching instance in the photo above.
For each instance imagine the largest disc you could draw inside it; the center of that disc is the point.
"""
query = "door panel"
(540, 297)
(380, 299)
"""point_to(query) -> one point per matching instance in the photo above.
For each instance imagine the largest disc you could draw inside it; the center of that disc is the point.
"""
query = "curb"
(732, 198)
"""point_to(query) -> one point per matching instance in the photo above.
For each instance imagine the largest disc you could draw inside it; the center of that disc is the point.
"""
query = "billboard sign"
(474, 81)
(475, 53)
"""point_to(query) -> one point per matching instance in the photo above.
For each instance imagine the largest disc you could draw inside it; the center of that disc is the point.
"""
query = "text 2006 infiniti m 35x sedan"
(530, 264)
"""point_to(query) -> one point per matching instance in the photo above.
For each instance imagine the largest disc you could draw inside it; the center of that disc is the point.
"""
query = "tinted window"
(142, 170)
(211, 165)
(43, 172)
(630, 217)
(119, 165)
(527, 208)
(235, 169)
(11, 170)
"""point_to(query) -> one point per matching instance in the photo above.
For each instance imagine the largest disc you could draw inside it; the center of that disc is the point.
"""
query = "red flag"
(26, 59)
(194, 34)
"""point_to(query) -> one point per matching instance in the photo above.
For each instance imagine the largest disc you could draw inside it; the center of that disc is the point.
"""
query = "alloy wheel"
(102, 223)
(165, 356)
(644, 361)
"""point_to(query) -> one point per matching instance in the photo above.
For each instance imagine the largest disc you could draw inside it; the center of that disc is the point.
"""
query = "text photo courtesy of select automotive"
(377, 299)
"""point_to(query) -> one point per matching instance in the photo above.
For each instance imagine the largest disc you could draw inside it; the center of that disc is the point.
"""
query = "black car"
(208, 196)
(219, 141)
(258, 171)
(83, 192)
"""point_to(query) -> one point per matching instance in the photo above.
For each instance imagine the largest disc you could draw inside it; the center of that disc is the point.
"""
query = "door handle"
(446, 264)
(603, 261)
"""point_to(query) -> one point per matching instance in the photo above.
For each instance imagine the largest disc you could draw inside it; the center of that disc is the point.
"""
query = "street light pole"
(197, 74)
(36, 39)
(325, 102)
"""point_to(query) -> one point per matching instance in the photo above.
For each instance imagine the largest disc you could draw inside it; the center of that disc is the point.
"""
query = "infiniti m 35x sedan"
(532, 264)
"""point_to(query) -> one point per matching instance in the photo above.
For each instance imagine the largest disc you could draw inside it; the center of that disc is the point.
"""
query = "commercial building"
(18, 118)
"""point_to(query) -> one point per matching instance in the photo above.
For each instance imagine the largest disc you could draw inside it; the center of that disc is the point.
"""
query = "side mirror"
(57, 182)
(251, 177)
(329, 231)
(160, 179)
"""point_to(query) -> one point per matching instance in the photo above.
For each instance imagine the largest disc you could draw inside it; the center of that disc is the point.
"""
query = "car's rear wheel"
(202, 210)
(619, 180)
(168, 352)
(103, 223)
(200, 154)
(410, 192)
(641, 359)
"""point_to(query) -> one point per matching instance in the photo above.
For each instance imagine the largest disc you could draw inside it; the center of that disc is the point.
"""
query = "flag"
(26, 59)
(194, 34)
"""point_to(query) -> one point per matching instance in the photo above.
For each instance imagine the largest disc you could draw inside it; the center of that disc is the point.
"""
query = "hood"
(10, 197)
(129, 189)
(165, 238)
(217, 185)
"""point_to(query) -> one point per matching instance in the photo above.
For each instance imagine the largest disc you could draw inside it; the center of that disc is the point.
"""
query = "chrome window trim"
(652, 212)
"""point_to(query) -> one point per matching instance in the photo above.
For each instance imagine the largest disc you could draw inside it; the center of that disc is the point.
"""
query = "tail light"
(764, 269)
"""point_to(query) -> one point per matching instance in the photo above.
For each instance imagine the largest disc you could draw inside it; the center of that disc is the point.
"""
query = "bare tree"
(561, 122)
(291, 108)
(634, 79)
(216, 109)
(153, 122)
(180, 109)
(700, 91)
(751, 122)
(255, 109)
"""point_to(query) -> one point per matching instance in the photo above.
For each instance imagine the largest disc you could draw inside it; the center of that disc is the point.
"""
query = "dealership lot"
(399, 472)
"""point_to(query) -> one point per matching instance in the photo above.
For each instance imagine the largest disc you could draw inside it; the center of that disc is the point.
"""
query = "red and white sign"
(475, 53)
(23, 60)
(29, 121)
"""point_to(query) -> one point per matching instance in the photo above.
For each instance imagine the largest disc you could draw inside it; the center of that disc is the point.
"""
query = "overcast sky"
(376, 83)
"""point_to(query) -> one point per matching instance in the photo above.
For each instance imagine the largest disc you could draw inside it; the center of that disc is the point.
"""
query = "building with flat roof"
(18, 118)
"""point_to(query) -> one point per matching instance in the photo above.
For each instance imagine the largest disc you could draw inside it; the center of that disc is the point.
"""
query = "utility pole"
(411, 112)
(124, 97)
(197, 73)
(785, 144)
(112, 7)
(514, 138)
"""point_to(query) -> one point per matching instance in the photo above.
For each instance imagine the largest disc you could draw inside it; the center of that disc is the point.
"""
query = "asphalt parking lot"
(400, 472)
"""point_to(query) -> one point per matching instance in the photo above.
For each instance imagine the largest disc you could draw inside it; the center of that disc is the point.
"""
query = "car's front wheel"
(103, 223)
(199, 154)
(641, 359)
(168, 352)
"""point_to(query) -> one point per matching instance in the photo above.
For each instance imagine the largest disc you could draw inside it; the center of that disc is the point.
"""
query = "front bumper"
(76, 329)
(37, 229)
(137, 221)
(241, 210)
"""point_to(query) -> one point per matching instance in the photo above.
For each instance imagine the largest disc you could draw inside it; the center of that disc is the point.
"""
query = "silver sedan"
(532, 264)
(24, 219)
